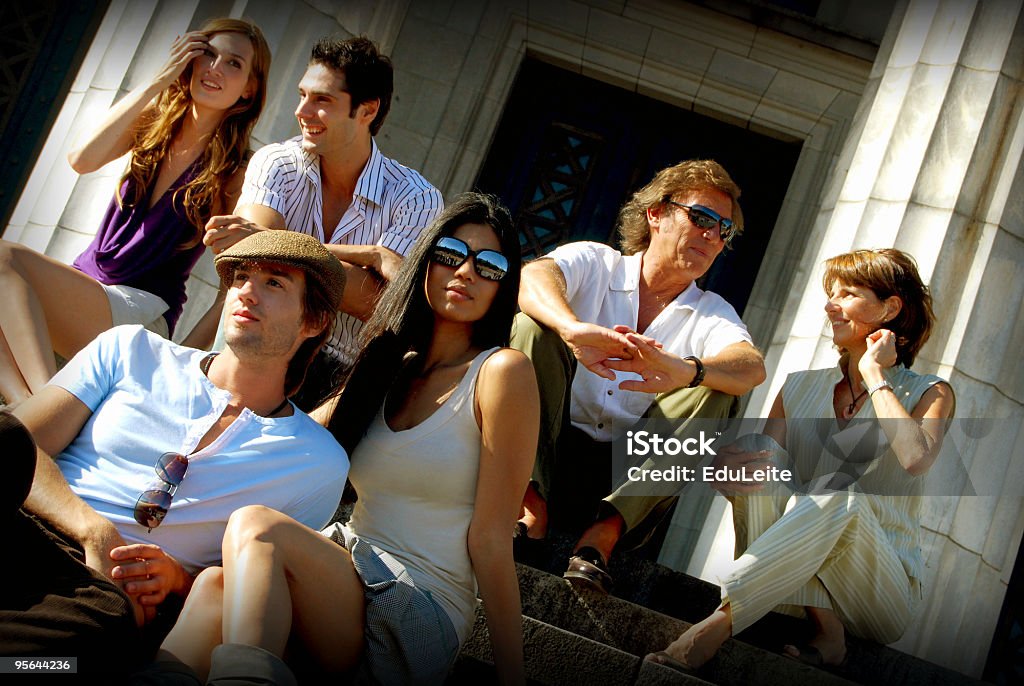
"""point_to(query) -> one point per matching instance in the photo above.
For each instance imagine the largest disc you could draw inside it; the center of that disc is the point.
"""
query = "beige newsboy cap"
(289, 248)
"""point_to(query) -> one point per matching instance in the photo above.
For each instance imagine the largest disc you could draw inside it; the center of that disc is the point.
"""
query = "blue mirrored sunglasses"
(706, 219)
(452, 252)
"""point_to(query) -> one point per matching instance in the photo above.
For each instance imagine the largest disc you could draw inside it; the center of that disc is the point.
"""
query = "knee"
(843, 504)
(209, 583)
(252, 524)
(8, 256)
(699, 403)
(545, 348)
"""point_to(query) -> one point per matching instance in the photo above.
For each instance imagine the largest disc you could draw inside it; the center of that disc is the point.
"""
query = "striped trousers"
(827, 551)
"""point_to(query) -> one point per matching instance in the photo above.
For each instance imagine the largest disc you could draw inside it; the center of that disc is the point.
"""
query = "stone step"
(651, 605)
(555, 657)
(637, 630)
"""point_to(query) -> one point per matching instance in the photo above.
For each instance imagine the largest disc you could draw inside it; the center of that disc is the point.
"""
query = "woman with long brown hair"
(441, 421)
(187, 130)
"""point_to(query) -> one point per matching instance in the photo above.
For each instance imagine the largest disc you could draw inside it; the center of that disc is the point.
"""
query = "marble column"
(932, 166)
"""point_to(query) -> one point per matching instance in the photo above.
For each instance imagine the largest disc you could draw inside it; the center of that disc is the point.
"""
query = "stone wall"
(920, 149)
(932, 165)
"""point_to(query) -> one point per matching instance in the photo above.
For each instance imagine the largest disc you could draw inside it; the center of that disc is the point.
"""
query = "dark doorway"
(1005, 663)
(44, 42)
(570, 150)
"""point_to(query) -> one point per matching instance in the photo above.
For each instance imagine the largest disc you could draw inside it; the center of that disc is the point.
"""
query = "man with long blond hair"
(680, 352)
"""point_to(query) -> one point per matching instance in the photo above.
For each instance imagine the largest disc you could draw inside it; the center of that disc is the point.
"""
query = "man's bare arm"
(542, 296)
(54, 417)
(362, 285)
(225, 230)
(735, 370)
(384, 261)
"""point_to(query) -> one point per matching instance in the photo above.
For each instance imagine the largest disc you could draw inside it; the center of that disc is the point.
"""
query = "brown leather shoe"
(588, 569)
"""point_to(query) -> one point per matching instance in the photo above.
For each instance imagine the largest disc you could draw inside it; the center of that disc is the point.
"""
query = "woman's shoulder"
(505, 361)
(506, 371)
(912, 386)
(903, 376)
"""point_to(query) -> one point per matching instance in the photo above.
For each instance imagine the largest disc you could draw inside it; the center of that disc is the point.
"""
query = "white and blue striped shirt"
(390, 206)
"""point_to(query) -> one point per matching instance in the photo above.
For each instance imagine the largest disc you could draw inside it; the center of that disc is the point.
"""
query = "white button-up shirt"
(391, 204)
(603, 287)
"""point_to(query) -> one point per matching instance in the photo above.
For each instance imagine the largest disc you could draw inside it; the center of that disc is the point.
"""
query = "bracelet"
(879, 386)
(699, 378)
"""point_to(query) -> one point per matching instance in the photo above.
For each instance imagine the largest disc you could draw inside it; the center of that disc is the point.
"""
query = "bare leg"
(534, 513)
(12, 384)
(700, 642)
(829, 637)
(281, 579)
(198, 629)
(602, 535)
(48, 306)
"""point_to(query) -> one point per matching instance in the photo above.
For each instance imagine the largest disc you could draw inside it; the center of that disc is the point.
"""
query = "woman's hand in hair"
(880, 354)
(185, 49)
(116, 132)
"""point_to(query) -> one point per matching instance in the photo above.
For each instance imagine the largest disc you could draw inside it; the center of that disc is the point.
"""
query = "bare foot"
(828, 647)
(700, 642)
(830, 652)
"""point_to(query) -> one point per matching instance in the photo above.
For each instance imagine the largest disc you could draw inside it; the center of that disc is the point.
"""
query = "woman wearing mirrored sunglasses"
(441, 422)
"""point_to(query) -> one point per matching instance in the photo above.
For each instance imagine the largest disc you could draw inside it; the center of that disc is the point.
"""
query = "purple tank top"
(139, 248)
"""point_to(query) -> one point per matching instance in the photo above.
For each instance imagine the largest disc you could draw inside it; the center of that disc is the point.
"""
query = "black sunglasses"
(152, 505)
(451, 252)
(707, 219)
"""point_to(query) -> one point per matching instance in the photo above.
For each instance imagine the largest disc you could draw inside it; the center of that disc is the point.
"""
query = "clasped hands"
(605, 351)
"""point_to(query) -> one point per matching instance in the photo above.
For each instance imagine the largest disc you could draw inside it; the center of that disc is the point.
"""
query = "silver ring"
(146, 567)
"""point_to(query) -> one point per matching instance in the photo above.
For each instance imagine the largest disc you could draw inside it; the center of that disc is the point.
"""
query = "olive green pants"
(572, 470)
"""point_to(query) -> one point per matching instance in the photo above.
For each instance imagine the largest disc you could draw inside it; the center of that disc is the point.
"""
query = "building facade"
(847, 125)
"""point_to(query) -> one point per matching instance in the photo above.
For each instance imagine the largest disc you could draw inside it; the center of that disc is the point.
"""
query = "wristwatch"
(879, 386)
(699, 378)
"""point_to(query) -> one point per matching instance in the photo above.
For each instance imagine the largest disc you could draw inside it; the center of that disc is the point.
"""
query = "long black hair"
(403, 321)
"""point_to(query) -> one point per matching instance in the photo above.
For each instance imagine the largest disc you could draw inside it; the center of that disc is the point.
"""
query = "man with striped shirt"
(333, 183)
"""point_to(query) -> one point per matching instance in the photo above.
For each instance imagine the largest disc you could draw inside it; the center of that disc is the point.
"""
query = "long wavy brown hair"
(226, 152)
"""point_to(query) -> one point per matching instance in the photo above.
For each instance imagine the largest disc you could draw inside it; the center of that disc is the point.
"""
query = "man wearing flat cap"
(154, 445)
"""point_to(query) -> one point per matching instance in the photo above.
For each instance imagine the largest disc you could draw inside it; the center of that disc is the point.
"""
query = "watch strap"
(879, 386)
(699, 378)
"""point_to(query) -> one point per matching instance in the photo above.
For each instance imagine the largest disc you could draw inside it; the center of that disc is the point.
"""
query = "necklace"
(204, 365)
(278, 408)
(851, 409)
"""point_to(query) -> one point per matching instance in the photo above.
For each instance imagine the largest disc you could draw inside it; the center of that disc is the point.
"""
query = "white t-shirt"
(602, 287)
(148, 397)
(391, 204)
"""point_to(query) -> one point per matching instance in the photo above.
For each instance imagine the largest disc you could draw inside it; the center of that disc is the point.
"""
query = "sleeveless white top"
(416, 493)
